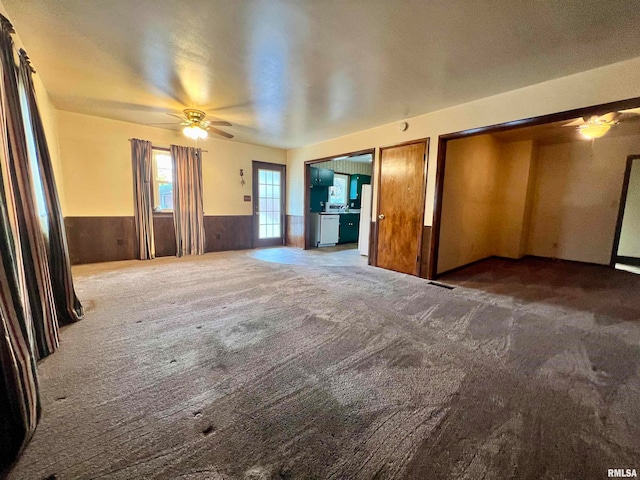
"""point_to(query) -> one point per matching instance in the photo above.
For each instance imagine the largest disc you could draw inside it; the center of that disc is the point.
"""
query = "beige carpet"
(229, 367)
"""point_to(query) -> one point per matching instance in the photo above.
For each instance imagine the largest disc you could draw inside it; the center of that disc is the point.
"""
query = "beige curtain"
(142, 162)
(188, 210)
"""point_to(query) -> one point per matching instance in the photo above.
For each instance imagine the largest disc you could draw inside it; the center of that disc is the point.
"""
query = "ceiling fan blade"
(221, 123)
(632, 111)
(166, 123)
(181, 117)
(608, 117)
(220, 132)
(575, 123)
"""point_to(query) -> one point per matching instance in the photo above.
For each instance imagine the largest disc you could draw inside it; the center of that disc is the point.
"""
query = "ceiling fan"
(195, 125)
(596, 126)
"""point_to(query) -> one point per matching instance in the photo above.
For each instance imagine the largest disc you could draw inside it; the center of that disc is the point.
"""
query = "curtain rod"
(167, 149)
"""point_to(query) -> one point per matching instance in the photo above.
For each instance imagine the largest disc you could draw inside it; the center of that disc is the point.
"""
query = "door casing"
(269, 242)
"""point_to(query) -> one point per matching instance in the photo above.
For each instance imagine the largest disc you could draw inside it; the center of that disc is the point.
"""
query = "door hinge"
(424, 157)
(418, 259)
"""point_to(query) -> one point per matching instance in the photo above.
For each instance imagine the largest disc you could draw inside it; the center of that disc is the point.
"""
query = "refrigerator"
(365, 220)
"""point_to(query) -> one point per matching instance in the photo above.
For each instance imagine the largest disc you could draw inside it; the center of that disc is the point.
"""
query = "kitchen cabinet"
(349, 226)
(322, 177)
(355, 189)
(318, 198)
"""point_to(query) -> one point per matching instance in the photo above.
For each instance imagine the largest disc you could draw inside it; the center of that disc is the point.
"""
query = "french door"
(268, 204)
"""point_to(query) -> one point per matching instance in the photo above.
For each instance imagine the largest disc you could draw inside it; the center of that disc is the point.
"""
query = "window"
(162, 181)
(339, 193)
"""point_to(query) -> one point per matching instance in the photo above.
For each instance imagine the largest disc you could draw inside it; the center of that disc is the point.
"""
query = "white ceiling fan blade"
(632, 111)
(608, 117)
(575, 123)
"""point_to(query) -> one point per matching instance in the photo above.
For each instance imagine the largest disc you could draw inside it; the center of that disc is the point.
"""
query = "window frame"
(156, 182)
(347, 179)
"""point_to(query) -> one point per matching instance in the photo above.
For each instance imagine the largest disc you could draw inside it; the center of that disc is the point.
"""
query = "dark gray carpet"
(228, 367)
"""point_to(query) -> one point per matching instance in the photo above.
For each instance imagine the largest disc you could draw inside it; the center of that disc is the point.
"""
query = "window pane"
(269, 176)
(164, 175)
(263, 218)
(263, 191)
(276, 178)
(165, 196)
(338, 192)
(263, 231)
(261, 176)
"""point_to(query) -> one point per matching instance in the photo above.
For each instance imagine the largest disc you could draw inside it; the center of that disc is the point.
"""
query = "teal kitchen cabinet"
(349, 225)
(318, 198)
(322, 177)
(355, 189)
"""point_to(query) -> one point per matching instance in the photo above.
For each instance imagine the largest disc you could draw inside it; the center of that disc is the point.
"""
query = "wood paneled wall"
(164, 232)
(295, 231)
(105, 239)
(426, 250)
(100, 239)
(228, 233)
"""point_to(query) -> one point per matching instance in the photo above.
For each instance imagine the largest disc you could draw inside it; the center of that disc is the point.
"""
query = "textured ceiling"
(291, 73)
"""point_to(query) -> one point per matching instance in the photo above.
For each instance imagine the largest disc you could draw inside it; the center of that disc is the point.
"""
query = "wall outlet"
(247, 198)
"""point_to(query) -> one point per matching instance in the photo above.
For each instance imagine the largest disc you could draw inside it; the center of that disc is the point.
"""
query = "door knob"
(381, 216)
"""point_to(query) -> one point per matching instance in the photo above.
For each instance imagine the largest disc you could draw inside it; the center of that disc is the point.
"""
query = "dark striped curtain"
(142, 162)
(19, 400)
(31, 239)
(68, 307)
(188, 210)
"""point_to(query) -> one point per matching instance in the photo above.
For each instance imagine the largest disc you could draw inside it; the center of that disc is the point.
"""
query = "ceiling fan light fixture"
(594, 130)
(195, 132)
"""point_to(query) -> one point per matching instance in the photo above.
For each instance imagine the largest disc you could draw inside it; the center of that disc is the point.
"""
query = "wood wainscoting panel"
(426, 252)
(164, 234)
(295, 231)
(108, 239)
(100, 239)
(232, 232)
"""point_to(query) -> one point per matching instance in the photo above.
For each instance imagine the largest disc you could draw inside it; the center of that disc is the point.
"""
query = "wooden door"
(401, 207)
(268, 204)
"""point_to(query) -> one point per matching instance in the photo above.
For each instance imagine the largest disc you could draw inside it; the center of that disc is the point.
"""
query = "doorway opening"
(626, 248)
(535, 188)
(268, 204)
(338, 202)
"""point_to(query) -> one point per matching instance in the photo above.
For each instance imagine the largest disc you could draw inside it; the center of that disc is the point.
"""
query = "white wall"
(630, 234)
(577, 195)
(96, 166)
(602, 85)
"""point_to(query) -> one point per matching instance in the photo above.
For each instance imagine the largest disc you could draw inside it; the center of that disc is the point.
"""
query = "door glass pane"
(269, 203)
